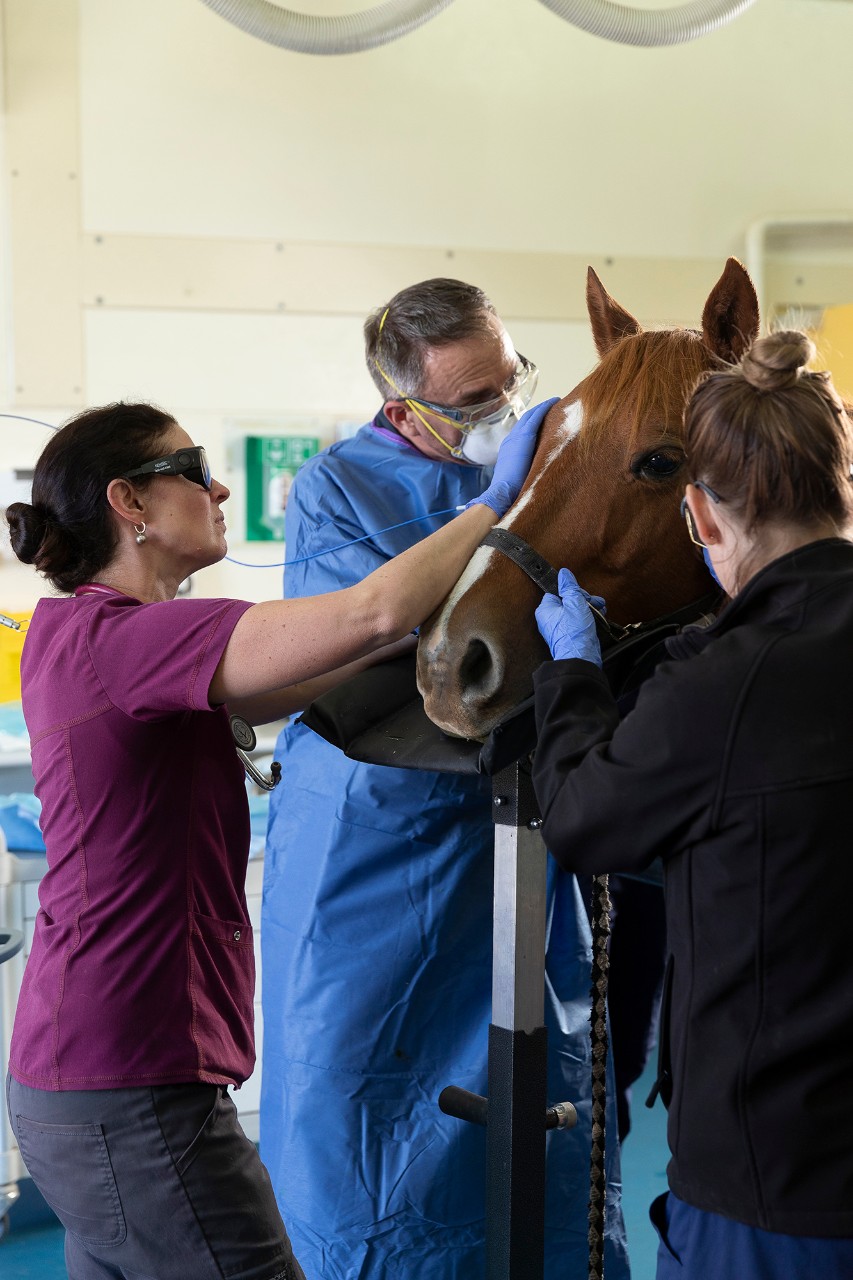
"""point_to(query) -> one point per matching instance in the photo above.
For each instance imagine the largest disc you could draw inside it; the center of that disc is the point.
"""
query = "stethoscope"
(241, 731)
(245, 741)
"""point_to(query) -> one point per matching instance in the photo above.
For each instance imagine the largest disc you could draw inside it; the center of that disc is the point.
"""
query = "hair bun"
(777, 361)
(27, 528)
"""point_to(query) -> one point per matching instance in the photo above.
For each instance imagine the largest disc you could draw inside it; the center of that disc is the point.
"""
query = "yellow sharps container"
(11, 647)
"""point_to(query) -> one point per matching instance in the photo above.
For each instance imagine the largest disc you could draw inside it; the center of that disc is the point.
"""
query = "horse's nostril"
(477, 672)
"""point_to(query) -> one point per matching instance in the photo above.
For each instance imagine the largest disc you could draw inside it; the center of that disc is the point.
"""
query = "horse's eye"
(659, 465)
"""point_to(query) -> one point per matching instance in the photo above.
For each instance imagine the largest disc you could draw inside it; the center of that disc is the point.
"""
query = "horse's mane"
(651, 374)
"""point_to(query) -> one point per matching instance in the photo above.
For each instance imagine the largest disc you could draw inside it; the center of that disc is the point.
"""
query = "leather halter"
(545, 576)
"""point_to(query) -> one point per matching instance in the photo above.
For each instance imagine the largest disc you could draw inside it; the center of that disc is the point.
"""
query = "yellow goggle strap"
(412, 404)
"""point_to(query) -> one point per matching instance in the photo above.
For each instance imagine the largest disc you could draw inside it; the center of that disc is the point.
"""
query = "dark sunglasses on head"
(191, 463)
(687, 514)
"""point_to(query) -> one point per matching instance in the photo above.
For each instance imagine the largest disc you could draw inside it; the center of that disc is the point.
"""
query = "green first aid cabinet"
(271, 464)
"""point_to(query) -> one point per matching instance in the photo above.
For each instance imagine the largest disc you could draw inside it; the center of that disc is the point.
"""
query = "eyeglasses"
(687, 514)
(515, 398)
(191, 463)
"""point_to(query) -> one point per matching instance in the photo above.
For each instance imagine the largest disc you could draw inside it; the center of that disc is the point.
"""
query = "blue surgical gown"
(376, 939)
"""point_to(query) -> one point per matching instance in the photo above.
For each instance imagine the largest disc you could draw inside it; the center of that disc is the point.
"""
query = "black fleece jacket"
(736, 768)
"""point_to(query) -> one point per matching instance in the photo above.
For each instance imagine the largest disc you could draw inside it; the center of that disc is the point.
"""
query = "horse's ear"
(609, 321)
(730, 320)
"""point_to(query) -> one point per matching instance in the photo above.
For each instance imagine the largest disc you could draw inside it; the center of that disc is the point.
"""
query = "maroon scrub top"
(142, 967)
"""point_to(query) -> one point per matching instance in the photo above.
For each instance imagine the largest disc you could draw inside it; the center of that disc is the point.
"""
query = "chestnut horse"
(602, 497)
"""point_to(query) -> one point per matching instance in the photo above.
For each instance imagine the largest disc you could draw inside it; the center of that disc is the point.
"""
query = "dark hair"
(771, 437)
(67, 531)
(430, 314)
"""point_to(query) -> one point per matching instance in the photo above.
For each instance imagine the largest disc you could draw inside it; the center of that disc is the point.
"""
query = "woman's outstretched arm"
(285, 642)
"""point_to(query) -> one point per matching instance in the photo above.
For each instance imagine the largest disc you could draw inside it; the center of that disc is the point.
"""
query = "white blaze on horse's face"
(479, 562)
(572, 421)
(566, 432)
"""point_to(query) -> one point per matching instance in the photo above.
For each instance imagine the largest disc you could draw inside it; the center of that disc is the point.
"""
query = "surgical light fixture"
(353, 33)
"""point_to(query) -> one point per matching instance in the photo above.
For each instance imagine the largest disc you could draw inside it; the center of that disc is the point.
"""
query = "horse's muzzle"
(467, 685)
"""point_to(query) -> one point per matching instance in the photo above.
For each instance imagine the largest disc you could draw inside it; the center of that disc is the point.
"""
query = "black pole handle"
(464, 1105)
(457, 1102)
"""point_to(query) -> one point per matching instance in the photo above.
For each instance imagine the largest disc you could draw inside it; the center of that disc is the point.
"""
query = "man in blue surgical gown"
(377, 915)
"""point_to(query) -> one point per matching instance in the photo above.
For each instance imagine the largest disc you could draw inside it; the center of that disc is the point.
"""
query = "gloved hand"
(566, 623)
(514, 458)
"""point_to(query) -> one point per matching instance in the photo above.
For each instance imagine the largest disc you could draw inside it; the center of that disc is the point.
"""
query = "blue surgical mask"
(707, 558)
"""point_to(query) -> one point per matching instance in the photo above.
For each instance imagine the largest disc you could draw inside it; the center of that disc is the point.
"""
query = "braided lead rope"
(598, 1037)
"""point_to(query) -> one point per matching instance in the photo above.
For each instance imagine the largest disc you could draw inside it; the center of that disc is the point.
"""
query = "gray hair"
(426, 315)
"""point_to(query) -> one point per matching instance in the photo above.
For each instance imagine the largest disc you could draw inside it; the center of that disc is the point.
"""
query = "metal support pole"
(515, 1135)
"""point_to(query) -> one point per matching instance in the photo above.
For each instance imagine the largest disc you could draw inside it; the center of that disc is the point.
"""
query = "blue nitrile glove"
(566, 623)
(514, 458)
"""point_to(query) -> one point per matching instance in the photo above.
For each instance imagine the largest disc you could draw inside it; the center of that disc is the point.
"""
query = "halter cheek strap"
(546, 578)
(521, 553)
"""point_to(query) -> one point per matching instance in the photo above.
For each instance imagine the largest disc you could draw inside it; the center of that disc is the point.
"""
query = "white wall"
(495, 125)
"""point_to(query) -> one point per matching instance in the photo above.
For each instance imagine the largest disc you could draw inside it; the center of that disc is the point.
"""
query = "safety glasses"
(516, 396)
(191, 463)
(687, 514)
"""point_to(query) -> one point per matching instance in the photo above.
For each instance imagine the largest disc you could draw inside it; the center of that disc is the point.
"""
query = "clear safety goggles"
(191, 463)
(515, 398)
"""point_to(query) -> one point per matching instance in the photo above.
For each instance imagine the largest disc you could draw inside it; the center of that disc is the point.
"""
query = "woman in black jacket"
(736, 768)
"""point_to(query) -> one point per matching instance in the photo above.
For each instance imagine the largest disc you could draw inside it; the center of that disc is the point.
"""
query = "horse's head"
(602, 497)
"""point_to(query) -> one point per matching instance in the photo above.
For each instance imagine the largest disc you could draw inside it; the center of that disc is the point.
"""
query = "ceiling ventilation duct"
(352, 33)
(649, 27)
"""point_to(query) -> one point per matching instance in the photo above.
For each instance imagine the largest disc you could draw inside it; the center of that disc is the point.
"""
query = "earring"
(139, 530)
